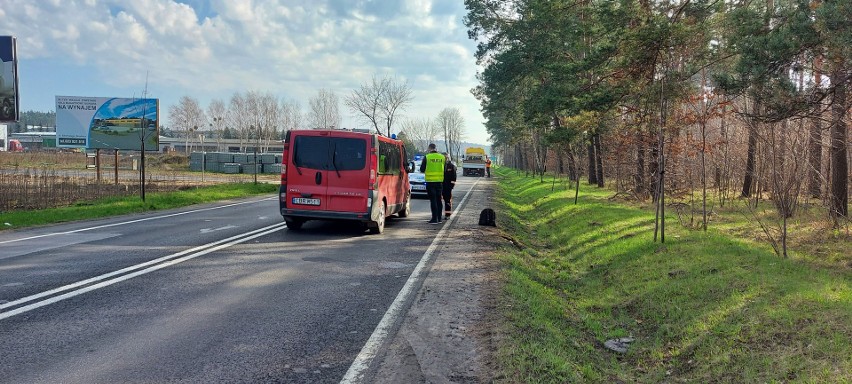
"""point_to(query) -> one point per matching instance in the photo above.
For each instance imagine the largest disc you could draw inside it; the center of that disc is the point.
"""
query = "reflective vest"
(434, 167)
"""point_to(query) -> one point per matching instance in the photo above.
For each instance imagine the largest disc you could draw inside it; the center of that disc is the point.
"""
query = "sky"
(211, 49)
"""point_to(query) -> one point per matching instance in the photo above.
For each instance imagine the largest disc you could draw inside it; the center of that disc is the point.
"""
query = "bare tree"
(254, 106)
(238, 117)
(421, 131)
(395, 99)
(269, 116)
(187, 117)
(366, 102)
(324, 113)
(216, 112)
(378, 102)
(290, 116)
(451, 124)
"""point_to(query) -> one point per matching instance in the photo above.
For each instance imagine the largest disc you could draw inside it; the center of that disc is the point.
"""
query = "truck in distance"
(473, 163)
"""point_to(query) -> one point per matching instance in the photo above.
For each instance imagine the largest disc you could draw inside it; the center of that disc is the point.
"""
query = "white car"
(417, 180)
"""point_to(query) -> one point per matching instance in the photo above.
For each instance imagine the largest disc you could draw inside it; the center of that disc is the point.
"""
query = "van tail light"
(374, 166)
(284, 159)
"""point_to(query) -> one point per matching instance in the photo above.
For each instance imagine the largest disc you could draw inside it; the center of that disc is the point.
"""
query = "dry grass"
(40, 180)
(47, 188)
(812, 236)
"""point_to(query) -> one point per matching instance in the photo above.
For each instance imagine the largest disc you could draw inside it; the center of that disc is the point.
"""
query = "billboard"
(107, 123)
(9, 106)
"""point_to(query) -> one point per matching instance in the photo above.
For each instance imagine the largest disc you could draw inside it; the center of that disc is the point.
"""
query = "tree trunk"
(725, 173)
(519, 159)
(572, 166)
(560, 163)
(639, 188)
(815, 158)
(590, 149)
(815, 140)
(653, 172)
(748, 180)
(599, 160)
(839, 198)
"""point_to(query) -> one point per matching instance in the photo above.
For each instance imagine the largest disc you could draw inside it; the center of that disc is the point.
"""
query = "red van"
(343, 175)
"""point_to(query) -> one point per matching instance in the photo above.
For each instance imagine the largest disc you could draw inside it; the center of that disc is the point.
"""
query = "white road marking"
(152, 265)
(394, 314)
(208, 230)
(134, 221)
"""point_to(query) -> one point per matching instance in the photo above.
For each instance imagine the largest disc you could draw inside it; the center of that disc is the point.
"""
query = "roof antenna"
(145, 91)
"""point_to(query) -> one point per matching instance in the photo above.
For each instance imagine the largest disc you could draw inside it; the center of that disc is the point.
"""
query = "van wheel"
(294, 224)
(407, 209)
(380, 223)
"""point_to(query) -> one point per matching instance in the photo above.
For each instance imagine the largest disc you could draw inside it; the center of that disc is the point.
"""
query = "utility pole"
(256, 143)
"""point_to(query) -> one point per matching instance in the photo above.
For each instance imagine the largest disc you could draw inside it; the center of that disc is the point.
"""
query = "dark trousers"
(433, 190)
(447, 194)
(488, 170)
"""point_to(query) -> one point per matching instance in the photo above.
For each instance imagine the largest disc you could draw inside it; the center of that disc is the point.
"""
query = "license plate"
(418, 187)
(305, 201)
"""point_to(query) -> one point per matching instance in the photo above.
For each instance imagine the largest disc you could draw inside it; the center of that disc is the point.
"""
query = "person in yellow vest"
(488, 166)
(433, 167)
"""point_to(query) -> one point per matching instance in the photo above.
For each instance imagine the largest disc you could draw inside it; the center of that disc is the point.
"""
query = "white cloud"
(211, 49)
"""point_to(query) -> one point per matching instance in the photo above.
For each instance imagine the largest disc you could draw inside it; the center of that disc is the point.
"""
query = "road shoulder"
(449, 333)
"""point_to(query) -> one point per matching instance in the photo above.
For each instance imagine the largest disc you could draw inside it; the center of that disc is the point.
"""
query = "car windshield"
(328, 153)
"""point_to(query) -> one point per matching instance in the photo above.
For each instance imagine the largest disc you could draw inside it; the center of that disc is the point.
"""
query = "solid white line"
(164, 262)
(368, 353)
(134, 221)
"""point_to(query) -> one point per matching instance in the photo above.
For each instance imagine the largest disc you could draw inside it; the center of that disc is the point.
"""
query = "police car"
(417, 179)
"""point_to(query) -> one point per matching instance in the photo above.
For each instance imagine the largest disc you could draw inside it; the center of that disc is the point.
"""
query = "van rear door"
(307, 178)
(349, 176)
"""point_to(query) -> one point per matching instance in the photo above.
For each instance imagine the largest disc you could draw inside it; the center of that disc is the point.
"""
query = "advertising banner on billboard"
(107, 123)
(9, 101)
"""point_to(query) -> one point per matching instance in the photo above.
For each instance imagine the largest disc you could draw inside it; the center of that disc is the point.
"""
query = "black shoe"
(434, 222)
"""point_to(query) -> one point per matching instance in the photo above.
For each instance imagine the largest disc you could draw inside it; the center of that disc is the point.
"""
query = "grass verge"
(123, 205)
(703, 307)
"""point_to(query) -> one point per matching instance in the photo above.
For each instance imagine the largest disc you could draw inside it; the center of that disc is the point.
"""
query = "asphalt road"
(213, 293)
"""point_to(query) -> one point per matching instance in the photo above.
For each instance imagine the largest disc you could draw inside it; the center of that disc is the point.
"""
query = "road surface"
(213, 293)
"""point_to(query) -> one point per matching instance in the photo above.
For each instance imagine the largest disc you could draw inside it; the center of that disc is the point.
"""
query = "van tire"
(294, 224)
(379, 225)
(406, 210)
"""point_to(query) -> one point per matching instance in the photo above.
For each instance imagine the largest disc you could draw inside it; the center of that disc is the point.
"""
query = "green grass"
(124, 205)
(703, 307)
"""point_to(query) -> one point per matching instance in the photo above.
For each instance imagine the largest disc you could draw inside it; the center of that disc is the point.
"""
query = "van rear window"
(329, 153)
